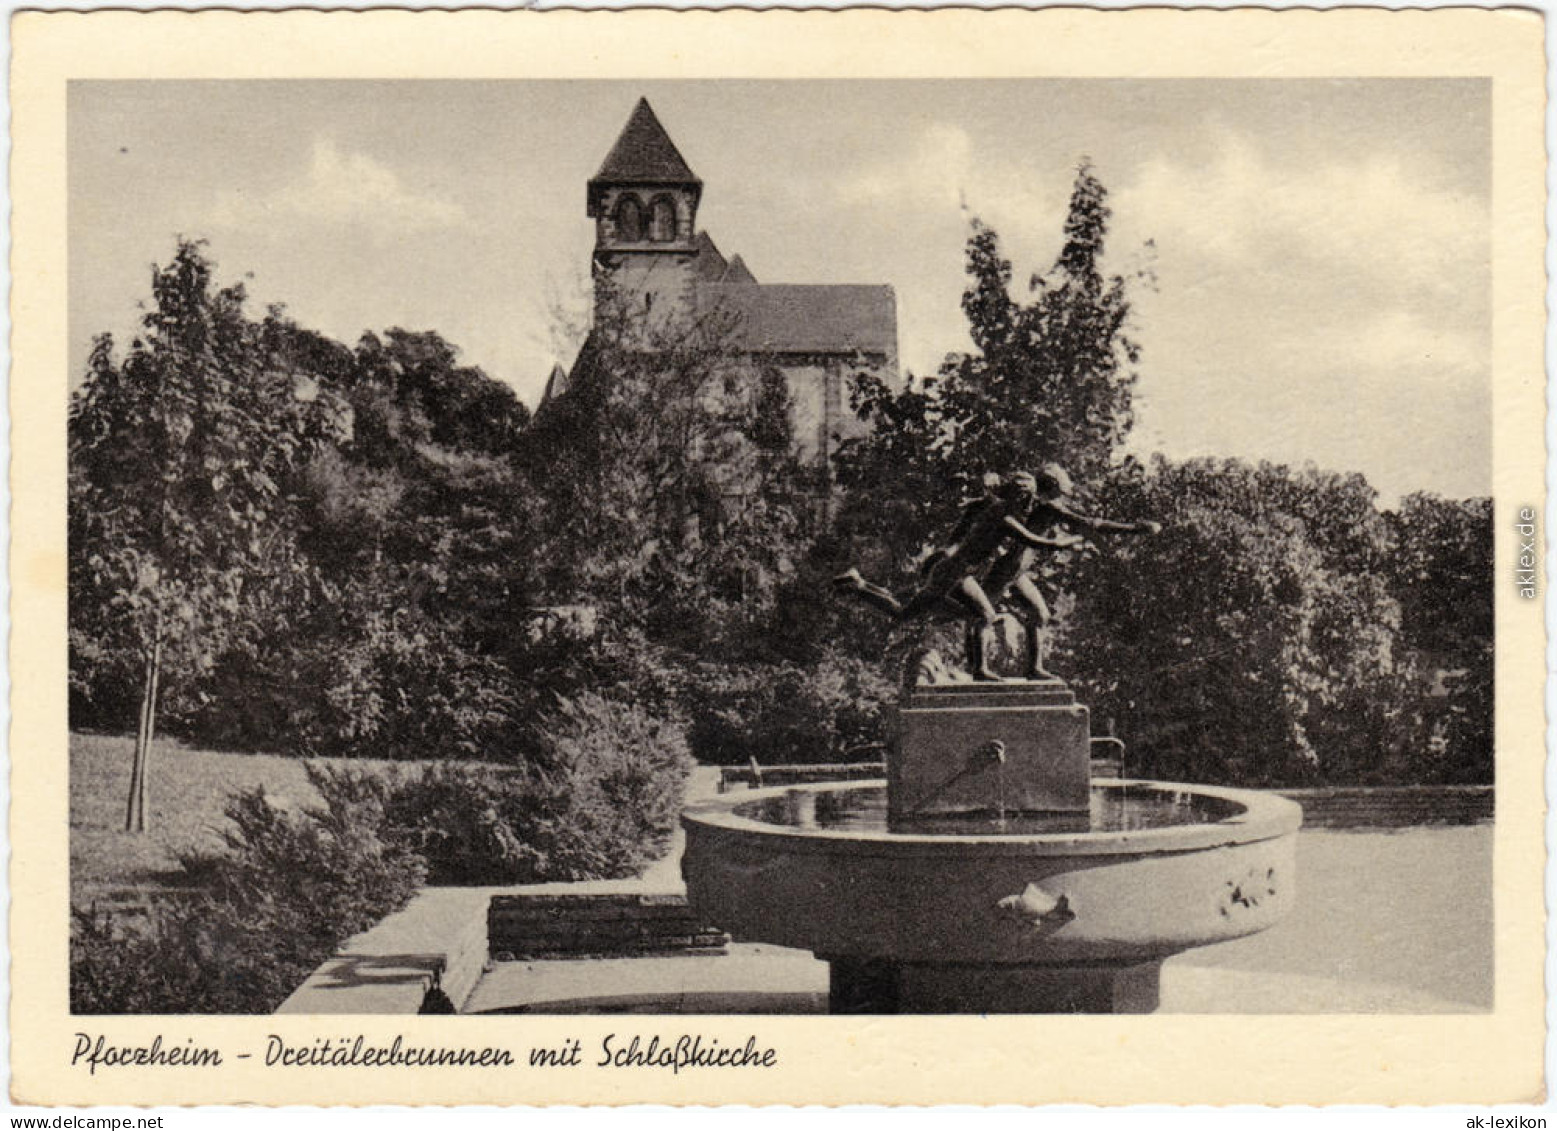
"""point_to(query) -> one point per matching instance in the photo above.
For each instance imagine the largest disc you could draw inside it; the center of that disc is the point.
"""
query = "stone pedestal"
(989, 750)
(878, 986)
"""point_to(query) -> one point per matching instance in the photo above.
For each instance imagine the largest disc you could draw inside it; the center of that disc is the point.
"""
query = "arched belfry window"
(662, 220)
(629, 219)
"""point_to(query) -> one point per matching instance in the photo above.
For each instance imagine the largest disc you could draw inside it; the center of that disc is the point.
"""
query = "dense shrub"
(600, 800)
(258, 918)
(561, 663)
(469, 822)
(611, 781)
(323, 874)
(830, 712)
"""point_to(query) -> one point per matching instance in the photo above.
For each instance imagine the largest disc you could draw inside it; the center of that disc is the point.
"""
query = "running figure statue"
(994, 541)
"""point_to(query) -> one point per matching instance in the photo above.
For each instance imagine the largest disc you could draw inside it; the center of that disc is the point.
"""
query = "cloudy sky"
(1321, 247)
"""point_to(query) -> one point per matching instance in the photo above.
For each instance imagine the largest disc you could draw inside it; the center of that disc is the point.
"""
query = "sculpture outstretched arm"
(1092, 522)
(1063, 542)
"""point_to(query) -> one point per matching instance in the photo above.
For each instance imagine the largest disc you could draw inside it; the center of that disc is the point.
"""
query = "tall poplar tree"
(1051, 378)
(1052, 372)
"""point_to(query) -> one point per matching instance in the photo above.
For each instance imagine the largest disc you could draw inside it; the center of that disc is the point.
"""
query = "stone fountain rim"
(1265, 816)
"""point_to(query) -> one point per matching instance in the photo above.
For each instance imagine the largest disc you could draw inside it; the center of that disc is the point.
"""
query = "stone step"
(565, 935)
(550, 926)
(602, 907)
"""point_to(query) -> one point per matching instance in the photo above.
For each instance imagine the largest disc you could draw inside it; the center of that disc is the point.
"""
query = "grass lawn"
(187, 790)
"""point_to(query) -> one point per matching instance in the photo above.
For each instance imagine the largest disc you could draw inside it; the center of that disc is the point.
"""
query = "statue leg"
(1037, 624)
(873, 595)
(973, 647)
(981, 627)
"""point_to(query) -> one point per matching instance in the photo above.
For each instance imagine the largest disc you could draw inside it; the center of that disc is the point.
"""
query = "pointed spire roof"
(644, 152)
(556, 384)
(643, 155)
(738, 272)
(710, 265)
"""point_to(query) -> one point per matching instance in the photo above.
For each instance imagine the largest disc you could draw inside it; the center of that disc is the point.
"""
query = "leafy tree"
(1051, 377)
(309, 544)
(179, 455)
(1444, 570)
(429, 398)
(1276, 664)
(897, 478)
(417, 524)
(667, 495)
(1441, 573)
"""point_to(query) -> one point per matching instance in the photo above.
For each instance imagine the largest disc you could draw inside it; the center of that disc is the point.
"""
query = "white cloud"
(342, 188)
(1403, 346)
(1372, 214)
(941, 175)
(927, 190)
(933, 174)
(1336, 310)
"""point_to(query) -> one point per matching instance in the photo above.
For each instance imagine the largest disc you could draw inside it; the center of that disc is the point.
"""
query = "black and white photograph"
(596, 570)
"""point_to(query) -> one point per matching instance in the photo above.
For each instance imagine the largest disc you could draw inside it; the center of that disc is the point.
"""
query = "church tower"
(644, 203)
(654, 264)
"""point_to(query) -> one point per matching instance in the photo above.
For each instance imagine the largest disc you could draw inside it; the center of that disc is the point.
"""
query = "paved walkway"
(761, 979)
(752, 978)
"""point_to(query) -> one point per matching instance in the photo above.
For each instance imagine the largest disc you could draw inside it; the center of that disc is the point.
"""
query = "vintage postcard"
(777, 557)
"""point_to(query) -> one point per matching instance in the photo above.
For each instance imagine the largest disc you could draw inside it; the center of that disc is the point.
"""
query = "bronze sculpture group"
(989, 559)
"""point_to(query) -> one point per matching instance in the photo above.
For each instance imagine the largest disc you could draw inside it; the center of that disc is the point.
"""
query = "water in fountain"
(1114, 809)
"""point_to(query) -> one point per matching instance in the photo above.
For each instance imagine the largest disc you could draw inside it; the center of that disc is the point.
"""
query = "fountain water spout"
(991, 753)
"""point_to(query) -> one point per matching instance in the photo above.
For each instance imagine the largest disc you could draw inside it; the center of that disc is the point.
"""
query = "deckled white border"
(915, 1060)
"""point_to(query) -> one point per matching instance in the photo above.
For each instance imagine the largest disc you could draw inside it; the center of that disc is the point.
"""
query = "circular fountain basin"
(971, 912)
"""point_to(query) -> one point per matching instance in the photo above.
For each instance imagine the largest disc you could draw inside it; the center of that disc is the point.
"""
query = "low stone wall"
(747, 777)
(597, 926)
(437, 942)
(1393, 807)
